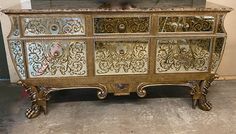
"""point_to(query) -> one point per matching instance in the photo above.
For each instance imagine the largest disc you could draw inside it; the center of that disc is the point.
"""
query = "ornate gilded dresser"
(116, 49)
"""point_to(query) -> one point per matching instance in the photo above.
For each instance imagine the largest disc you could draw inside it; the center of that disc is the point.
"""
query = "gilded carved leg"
(199, 92)
(38, 96)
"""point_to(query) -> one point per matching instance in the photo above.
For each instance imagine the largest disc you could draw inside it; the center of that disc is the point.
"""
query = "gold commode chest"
(115, 50)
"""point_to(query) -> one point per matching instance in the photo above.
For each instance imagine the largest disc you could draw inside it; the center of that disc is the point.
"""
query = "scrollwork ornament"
(124, 57)
(220, 28)
(102, 92)
(186, 24)
(183, 55)
(217, 54)
(57, 58)
(54, 26)
(18, 57)
(141, 92)
(122, 25)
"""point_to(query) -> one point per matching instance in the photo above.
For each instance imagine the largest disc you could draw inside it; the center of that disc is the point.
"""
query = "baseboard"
(227, 77)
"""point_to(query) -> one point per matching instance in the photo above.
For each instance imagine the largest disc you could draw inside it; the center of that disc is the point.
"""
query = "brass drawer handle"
(121, 27)
(121, 86)
(54, 27)
(121, 51)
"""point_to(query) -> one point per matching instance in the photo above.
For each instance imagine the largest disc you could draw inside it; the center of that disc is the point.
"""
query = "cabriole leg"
(38, 96)
(199, 93)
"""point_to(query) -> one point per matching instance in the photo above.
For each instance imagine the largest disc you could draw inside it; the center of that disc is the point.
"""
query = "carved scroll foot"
(199, 93)
(141, 92)
(102, 92)
(33, 112)
(204, 104)
(38, 96)
(199, 96)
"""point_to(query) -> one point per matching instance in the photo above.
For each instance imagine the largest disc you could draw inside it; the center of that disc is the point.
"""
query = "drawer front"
(56, 58)
(182, 55)
(121, 57)
(186, 24)
(106, 25)
(51, 25)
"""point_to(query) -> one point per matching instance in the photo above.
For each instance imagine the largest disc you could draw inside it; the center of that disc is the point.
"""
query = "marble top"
(56, 6)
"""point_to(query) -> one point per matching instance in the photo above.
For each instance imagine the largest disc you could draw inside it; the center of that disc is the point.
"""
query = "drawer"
(121, 57)
(186, 24)
(57, 58)
(53, 25)
(176, 55)
(118, 25)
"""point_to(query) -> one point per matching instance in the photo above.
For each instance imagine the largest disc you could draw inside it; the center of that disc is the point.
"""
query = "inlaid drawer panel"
(57, 58)
(52, 25)
(182, 55)
(106, 25)
(186, 23)
(121, 57)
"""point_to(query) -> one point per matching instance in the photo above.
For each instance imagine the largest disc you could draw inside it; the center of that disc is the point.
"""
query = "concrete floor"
(166, 110)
